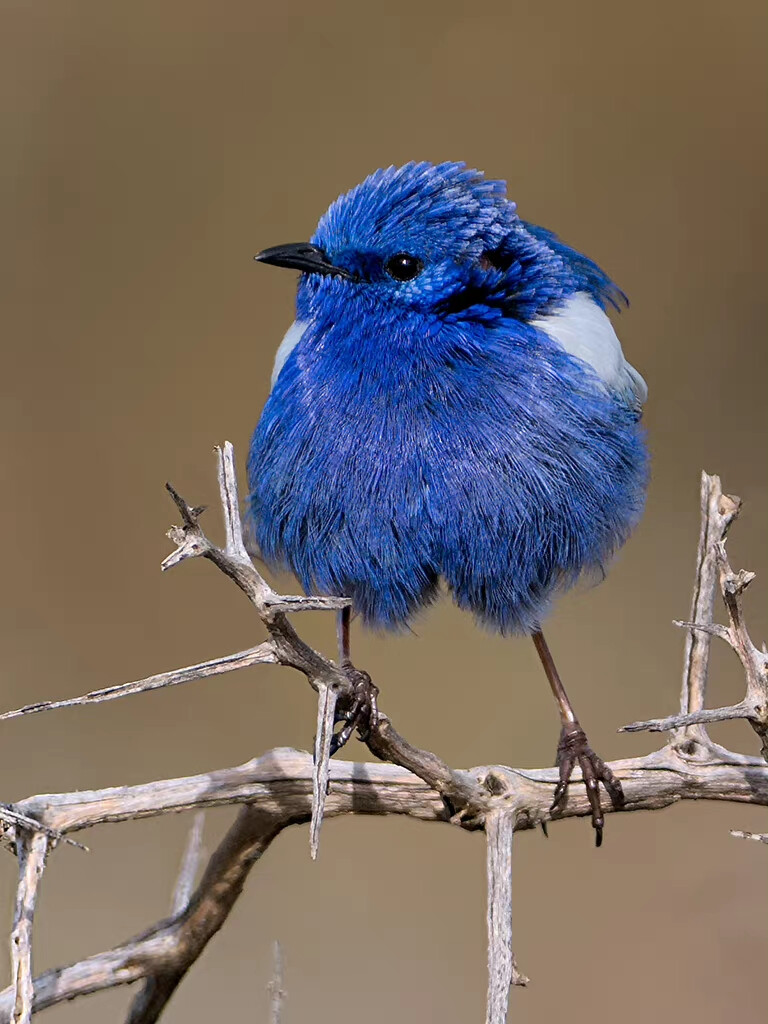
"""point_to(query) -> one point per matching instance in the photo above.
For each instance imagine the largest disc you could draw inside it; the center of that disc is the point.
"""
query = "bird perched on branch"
(451, 403)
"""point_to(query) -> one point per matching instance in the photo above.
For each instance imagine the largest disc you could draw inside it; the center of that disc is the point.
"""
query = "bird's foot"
(363, 712)
(574, 749)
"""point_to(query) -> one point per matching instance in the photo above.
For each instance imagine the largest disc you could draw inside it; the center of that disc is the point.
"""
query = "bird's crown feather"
(450, 206)
(444, 239)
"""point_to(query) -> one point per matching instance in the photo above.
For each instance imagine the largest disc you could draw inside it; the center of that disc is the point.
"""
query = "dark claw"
(573, 747)
(341, 738)
(363, 714)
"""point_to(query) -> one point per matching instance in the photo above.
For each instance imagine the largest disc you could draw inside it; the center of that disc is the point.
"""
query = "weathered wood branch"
(168, 949)
(32, 851)
(259, 655)
(277, 792)
(286, 787)
(502, 967)
(714, 572)
(280, 784)
(756, 837)
(276, 985)
(718, 511)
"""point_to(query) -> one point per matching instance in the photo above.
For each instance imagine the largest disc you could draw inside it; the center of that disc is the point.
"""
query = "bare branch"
(753, 661)
(502, 968)
(263, 654)
(299, 603)
(13, 823)
(712, 628)
(279, 785)
(190, 863)
(326, 717)
(153, 997)
(718, 511)
(703, 717)
(171, 946)
(456, 787)
(286, 787)
(32, 851)
(191, 542)
(275, 987)
(758, 837)
(189, 538)
(231, 503)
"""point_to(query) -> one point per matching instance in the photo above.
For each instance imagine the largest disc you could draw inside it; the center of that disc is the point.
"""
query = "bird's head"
(439, 239)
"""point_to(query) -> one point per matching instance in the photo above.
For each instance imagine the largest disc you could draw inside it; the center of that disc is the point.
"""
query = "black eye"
(403, 267)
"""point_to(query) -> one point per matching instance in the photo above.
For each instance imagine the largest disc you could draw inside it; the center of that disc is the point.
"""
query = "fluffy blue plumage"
(432, 428)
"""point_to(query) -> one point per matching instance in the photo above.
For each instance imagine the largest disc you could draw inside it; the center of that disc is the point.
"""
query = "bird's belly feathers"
(506, 490)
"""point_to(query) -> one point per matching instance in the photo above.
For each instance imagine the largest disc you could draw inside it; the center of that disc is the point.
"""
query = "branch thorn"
(327, 695)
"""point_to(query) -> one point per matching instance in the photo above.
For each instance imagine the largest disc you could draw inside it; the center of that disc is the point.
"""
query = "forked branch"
(714, 573)
(286, 787)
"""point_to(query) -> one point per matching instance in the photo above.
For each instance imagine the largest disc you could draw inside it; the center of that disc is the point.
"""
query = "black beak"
(301, 256)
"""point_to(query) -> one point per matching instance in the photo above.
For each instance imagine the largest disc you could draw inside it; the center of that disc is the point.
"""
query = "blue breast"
(398, 452)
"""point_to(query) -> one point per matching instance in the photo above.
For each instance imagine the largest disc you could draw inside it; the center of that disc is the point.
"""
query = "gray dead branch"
(286, 787)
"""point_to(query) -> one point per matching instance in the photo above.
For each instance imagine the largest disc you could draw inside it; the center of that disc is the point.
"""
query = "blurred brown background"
(150, 149)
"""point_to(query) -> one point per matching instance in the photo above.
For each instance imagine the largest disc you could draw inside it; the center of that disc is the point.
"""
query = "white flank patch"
(585, 331)
(287, 345)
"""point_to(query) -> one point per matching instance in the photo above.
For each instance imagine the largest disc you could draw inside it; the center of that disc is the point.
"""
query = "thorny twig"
(326, 718)
(275, 988)
(259, 655)
(757, 837)
(718, 512)
(234, 561)
(13, 822)
(276, 791)
(502, 967)
(286, 787)
(32, 851)
(190, 863)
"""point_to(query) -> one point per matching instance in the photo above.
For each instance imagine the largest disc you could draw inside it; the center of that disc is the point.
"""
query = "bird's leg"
(343, 624)
(363, 712)
(573, 747)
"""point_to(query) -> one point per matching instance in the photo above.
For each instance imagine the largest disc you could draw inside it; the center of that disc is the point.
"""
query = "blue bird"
(451, 403)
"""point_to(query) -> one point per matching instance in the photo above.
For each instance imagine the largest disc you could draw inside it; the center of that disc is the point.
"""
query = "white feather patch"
(582, 328)
(287, 345)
